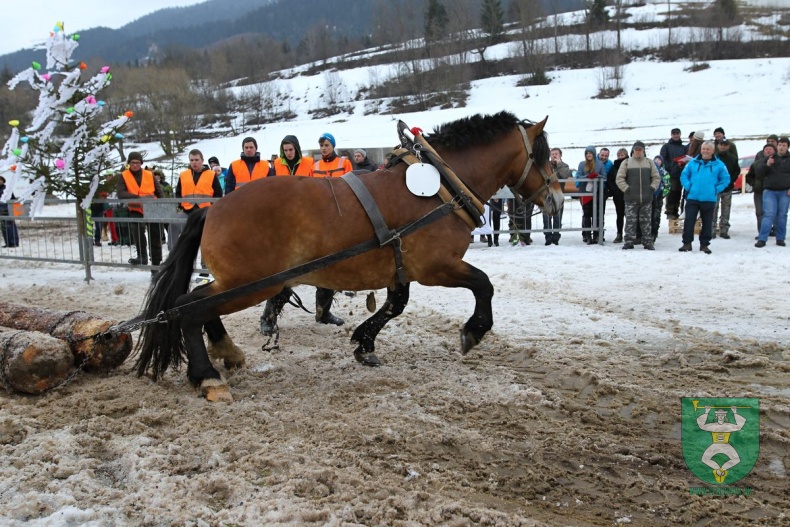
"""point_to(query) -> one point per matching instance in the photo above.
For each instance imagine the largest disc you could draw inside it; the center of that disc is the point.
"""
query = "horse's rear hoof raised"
(368, 359)
(215, 391)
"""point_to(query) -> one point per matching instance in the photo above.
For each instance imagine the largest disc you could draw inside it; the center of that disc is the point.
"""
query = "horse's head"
(536, 182)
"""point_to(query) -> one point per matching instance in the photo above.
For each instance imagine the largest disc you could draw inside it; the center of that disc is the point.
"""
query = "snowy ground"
(567, 413)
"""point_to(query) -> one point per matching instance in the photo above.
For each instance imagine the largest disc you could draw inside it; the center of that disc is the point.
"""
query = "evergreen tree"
(597, 12)
(436, 20)
(492, 20)
(64, 149)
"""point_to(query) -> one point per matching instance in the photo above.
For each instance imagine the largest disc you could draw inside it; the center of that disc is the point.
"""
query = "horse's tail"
(160, 345)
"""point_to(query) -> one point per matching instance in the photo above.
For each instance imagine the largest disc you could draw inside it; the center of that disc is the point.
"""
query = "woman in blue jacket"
(703, 178)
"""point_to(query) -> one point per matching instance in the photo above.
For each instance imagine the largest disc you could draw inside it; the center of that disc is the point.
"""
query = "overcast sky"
(27, 22)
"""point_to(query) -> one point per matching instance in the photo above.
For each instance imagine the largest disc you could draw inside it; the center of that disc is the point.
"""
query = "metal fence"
(59, 238)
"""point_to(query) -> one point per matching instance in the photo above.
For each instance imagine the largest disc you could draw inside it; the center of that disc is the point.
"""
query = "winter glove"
(593, 175)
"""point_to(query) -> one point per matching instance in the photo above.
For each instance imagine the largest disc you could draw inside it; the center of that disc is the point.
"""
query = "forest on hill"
(435, 47)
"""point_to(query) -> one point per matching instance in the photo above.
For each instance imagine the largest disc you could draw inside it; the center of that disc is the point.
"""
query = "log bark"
(72, 327)
(32, 362)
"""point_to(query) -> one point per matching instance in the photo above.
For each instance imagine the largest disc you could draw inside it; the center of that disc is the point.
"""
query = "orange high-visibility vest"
(304, 168)
(242, 173)
(146, 188)
(332, 169)
(203, 189)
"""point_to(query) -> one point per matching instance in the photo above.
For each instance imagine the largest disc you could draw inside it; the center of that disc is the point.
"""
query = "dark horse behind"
(279, 223)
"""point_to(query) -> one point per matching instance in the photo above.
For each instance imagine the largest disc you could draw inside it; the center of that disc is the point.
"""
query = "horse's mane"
(484, 129)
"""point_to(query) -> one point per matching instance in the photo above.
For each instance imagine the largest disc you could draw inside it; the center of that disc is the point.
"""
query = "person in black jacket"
(10, 231)
(724, 201)
(618, 198)
(361, 161)
(670, 152)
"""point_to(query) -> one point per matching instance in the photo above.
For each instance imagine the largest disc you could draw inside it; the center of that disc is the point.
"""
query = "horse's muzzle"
(553, 202)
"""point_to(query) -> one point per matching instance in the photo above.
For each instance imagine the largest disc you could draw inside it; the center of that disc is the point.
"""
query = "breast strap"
(384, 234)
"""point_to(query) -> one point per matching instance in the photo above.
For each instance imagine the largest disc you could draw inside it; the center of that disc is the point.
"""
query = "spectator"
(361, 160)
(757, 182)
(603, 157)
(496, 206)
(617, 195)
(291, 162)
(724, 201)
(658, 197)
(590, 168)
(718, 135)
(138, 183)
(638, 178)
(703, 178)
(248, 167)
(97, 211)
(330, 164)
(673, 153)
(9, 228)
(221, 173)
(776, 193)
(562, 171)
(199, 182)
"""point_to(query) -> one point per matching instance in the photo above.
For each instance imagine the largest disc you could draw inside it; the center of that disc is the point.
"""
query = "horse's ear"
(539, 126)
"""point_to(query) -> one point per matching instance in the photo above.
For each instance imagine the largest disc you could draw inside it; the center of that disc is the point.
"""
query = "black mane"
(484, 130)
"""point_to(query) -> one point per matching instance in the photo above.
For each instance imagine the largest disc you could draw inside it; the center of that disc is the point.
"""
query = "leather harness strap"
(384, 234)
(446, 196)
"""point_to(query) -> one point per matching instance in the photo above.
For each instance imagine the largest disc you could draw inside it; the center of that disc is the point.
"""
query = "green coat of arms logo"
(721, 437)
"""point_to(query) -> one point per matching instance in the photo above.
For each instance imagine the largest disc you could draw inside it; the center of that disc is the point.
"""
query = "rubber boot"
(323, 303)
(272, 310)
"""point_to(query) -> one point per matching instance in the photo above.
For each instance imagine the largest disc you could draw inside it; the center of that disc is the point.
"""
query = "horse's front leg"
(482, 319)
(365, 335)
(469, 277)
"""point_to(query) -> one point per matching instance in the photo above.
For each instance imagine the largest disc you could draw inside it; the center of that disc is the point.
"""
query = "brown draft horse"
(276, 224)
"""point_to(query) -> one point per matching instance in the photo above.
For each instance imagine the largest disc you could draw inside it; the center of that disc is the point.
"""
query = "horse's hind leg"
(365, 335)
(220, 346)
(199, 369)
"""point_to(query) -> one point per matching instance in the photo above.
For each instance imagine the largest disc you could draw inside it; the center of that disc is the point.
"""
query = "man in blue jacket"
(704, 177)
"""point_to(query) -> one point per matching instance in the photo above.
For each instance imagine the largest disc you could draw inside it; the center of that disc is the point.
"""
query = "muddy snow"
(568, 412)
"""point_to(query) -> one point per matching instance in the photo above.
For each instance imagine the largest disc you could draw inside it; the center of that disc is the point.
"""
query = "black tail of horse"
(161, 344)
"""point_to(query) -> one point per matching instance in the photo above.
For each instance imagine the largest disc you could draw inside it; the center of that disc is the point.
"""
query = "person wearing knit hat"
(718, 135)
(673, 153)
(772, 139)
(361, 160)
(724, 198)
(221, 173)
(136, 182)
(248, 167)
(638, 178)
(330, 164)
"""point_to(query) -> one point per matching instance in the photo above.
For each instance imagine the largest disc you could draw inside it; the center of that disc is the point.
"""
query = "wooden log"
(73, 327)
(32, 362)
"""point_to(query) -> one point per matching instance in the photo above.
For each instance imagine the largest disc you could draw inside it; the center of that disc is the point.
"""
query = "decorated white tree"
(64, 150)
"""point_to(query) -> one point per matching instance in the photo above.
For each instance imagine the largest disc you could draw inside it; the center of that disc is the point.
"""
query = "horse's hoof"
(367, 359)
(216, 391)
(468, 341)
